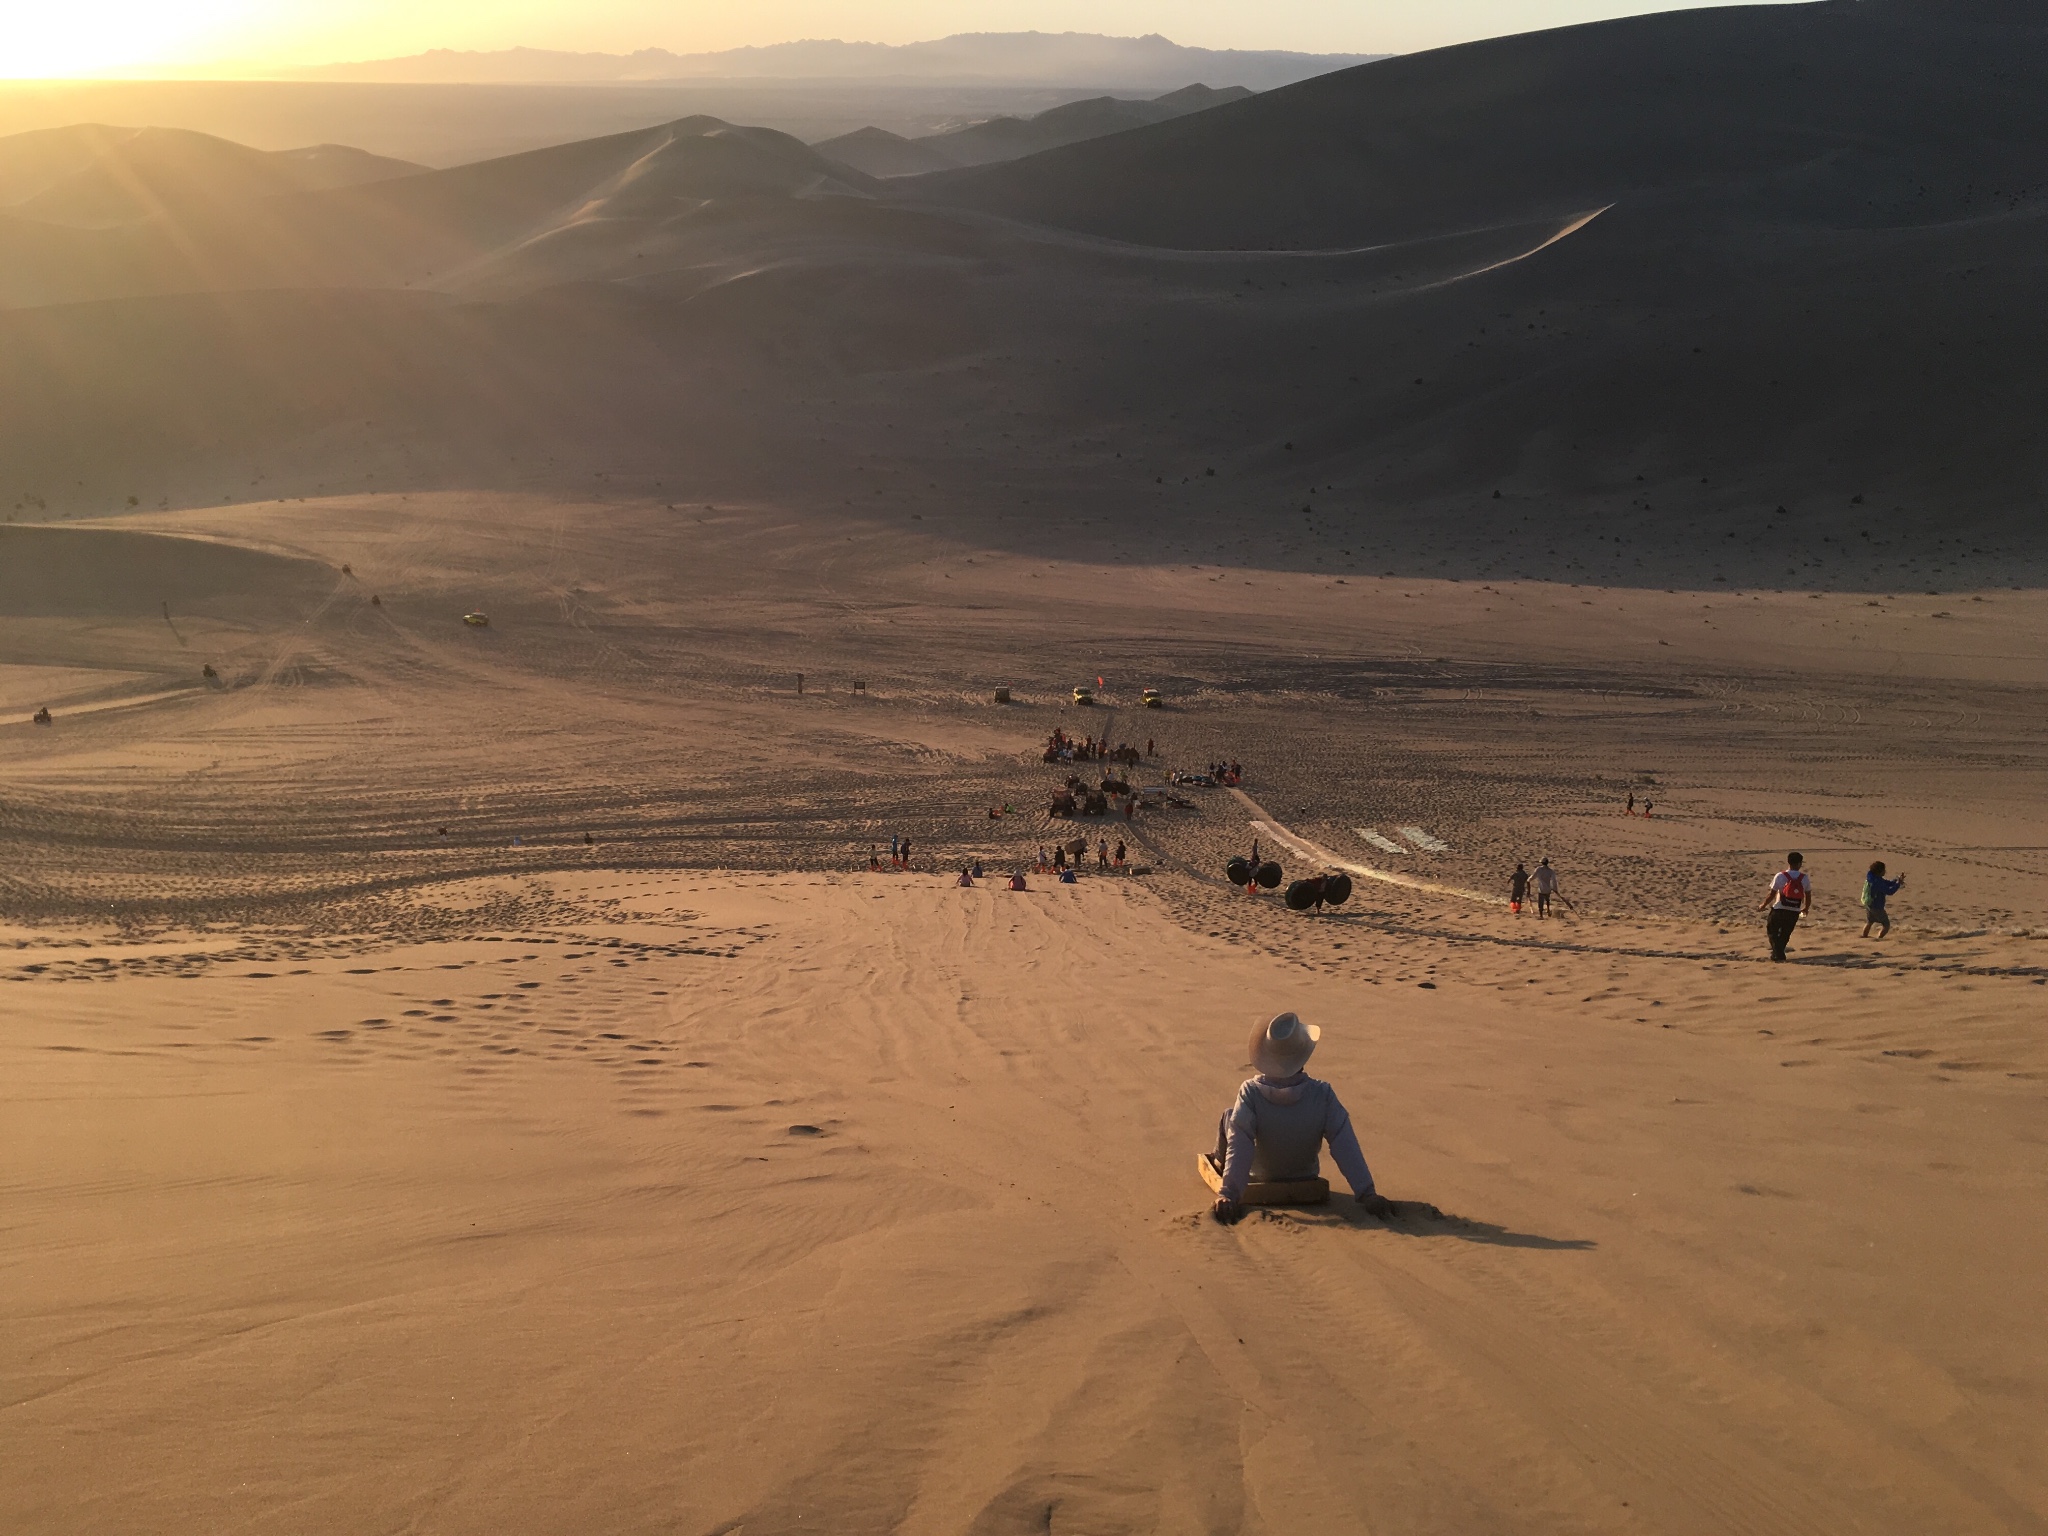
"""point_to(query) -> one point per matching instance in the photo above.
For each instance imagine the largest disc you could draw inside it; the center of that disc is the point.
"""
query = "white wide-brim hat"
(1283, 1044)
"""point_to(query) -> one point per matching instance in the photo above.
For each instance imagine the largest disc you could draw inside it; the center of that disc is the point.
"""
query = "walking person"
(1876, 890)
(1518, 888)
(1117, 861)
(1631, 809)
(1789, 898)
(1547, 886)
(1102, 853)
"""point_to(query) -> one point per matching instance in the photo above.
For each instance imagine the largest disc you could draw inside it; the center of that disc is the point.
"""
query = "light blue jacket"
(1276, 1130)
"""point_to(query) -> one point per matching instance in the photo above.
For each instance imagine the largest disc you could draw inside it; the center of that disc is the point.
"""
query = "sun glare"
(49, 41)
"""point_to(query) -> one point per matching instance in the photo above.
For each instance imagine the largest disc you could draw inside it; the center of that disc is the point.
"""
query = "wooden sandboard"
(1260, 1192)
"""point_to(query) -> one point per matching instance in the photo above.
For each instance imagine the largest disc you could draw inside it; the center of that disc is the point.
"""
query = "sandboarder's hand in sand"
(1229, 1212)
(1374, 1204)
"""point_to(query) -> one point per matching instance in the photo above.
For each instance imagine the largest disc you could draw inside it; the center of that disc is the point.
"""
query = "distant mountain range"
(1053, 58)
(881, 153)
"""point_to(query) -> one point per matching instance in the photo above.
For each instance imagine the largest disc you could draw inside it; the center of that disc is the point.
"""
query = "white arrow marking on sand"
(1384, 844)
(1315, 853)
(1423, 840)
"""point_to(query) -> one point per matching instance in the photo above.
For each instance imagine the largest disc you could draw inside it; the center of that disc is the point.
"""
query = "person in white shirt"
(1790, 896)
(1547, 886)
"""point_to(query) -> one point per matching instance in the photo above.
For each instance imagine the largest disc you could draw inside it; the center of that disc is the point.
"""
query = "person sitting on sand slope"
(1280, 1121)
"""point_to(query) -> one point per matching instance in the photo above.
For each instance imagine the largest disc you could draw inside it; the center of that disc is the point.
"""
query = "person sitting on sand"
(1017, 882)
(1876, 892)
(1067, 877)
(966, 879)
(1282, 1117)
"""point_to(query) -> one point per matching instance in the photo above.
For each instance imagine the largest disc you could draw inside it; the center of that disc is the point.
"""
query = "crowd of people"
(1062, 748)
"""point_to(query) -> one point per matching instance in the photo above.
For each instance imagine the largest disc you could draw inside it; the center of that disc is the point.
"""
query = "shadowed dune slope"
(410, 229)
(1603, 299)
(93, 176)
(110, 573)
(878, 152)
(1012, 138)
(1860, 115)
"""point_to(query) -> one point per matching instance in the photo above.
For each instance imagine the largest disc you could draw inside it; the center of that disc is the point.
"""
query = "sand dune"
(1807, 314)
(878, 152)
(1841, 116)
(394, 233)
(585, 1215)
(93, 176)
(449, 125)
(464, 1076)
(1010, 138)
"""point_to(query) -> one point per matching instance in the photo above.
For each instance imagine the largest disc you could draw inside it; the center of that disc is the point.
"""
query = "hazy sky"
(82, 37)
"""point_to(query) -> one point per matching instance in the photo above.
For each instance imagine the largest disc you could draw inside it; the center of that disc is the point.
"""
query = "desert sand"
(468, 1078)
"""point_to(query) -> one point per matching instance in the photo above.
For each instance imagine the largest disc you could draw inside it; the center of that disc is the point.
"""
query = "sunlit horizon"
(127, 39)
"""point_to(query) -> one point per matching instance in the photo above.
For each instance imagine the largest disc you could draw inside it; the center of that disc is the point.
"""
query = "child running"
(1876, 891)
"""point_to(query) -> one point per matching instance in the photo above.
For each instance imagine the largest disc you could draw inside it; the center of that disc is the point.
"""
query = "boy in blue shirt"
(1876, 889)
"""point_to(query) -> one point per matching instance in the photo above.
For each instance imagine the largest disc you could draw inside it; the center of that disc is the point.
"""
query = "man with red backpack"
(1790, 896)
